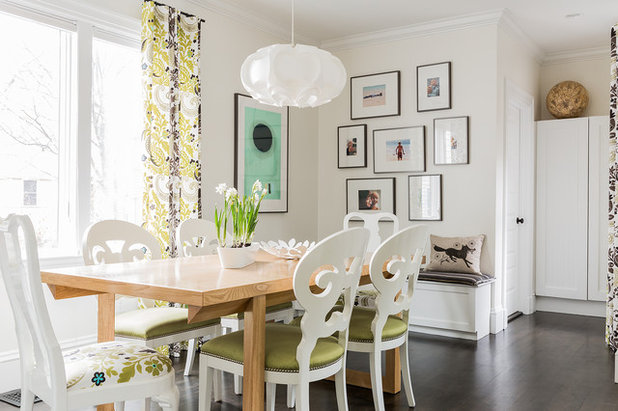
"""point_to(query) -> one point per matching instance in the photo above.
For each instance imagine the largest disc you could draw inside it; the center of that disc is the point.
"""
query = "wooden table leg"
(392, 379)
(254, 349)
(105, 328)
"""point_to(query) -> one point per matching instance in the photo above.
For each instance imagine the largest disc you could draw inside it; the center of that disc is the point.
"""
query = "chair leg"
(169, 400)
(205, 385)
(119, 406)
(404, 358)
(291, 395)
(190, 356)
(340, 389)
(237, 378)
(27, 398)
(147, 403)
(217, 383)
(271, 392)
(375, 367)
(302, 396)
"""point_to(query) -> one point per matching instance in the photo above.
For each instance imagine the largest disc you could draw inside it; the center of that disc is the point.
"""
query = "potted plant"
(242, 214)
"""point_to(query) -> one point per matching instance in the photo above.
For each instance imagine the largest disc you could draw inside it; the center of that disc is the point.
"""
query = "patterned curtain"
(611, 329)
(172, 125)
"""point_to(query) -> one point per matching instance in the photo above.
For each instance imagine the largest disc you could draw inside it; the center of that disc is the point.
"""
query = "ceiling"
(543, 21)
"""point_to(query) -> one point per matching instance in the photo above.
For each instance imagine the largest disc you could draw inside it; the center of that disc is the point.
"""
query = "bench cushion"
(473, 280)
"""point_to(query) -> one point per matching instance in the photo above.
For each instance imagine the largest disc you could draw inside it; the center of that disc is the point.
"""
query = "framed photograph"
(375, 95)
(352, 146)
(261, 151)
(370, 195)
(433, 87)
(398, 150)
(450, 140)
(425, 197)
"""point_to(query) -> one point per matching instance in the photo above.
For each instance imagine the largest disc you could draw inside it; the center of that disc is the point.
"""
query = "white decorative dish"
(290, 250)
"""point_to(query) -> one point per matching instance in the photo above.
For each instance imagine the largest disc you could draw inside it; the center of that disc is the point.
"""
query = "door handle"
(519, 220)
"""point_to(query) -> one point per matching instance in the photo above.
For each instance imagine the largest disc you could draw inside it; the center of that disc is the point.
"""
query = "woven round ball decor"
(567, 99)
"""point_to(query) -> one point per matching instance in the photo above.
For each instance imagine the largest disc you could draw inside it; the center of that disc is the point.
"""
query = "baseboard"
(9, 361)
(444, 333)
(568, 306)
(497, 319)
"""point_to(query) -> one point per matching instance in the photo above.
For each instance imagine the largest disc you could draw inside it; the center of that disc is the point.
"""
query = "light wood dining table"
(209, 291)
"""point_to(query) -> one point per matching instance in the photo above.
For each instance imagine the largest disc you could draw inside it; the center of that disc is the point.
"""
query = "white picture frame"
(425, 197)
(451, 140)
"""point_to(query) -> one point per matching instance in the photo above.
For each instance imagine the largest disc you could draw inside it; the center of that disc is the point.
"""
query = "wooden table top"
(198, 281)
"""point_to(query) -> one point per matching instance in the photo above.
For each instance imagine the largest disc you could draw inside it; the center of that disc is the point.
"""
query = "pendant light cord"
(293, 41)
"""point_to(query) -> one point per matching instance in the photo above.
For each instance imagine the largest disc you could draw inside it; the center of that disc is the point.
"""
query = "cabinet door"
(562, 208)
(598, 189)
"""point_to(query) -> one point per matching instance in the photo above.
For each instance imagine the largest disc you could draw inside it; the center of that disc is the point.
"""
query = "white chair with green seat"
(197, 237)
(394, 269)
(115, 241)
(299, 355)
(81, 377)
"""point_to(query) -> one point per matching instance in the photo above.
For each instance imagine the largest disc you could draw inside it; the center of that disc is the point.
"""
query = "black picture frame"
(378, 153)
(340, 147)
(440, 203)
(393, 104)
(422, 73)
(267, 206)
(387, 182)
(465, 124)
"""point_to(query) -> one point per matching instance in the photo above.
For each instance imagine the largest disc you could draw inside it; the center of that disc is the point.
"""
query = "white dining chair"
(82, 377)
(116, 241)
(198, 237)
(299, 355)
(371, 221)
(394, 269)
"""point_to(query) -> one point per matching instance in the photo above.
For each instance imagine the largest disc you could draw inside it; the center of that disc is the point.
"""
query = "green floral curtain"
(172, 124)
(611, 329)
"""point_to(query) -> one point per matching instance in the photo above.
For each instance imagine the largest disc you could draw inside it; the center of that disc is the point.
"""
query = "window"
(116, 172)
(47, 127)
(29, 192)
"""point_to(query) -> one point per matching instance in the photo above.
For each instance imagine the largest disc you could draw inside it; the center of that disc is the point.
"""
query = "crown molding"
(414, 30)
(233, 11)
(508, 25)
(570, 56)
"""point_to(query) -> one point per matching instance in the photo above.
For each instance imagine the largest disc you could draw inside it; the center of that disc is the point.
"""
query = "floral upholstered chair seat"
(114, 362)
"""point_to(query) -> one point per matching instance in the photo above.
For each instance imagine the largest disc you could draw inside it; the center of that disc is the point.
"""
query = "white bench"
(451, 310)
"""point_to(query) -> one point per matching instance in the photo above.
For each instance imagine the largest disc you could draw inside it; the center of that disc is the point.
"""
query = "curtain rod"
(181, 12)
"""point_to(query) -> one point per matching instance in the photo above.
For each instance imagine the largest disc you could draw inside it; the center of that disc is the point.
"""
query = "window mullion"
(84, 127)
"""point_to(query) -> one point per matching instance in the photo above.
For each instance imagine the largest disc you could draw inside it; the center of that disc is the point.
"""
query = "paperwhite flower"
(257, 187)
(264, 192)
(230, 192)
(221, 188)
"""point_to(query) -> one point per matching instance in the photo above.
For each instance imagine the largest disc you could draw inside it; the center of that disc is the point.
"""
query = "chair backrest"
(394, 269)
(371, 222)
(116, 241)
(39, 351)
(327, 266)
(196, 237)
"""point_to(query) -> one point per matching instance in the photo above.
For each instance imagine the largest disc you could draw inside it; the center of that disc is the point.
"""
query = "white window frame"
(87, 22)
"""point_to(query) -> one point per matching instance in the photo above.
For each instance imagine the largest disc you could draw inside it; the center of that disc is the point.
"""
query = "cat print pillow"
(456, 254)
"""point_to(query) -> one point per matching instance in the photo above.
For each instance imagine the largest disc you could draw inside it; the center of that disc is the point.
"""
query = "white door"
(562, 209)
(598, 222)
(519, 200)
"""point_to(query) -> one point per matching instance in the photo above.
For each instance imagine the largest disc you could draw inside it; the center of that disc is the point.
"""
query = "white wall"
(592, 72)
(468, 190)
(225, 44)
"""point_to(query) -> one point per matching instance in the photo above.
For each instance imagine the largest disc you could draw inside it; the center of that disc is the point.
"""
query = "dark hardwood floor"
(543, 361)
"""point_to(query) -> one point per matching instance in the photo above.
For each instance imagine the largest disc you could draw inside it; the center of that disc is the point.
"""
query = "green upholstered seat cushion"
(156, 322)
(281, 343)
(360, 325)
(270, 309)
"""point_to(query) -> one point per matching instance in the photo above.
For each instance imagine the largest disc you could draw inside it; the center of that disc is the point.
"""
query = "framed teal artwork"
(261, 151)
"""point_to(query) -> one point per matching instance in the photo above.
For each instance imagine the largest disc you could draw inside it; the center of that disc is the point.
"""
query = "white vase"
(237, 257)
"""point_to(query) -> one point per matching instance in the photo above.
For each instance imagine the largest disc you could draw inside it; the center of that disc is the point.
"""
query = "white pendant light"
(295, 75)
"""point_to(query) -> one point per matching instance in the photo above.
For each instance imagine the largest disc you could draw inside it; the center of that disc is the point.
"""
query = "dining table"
(208, 291)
